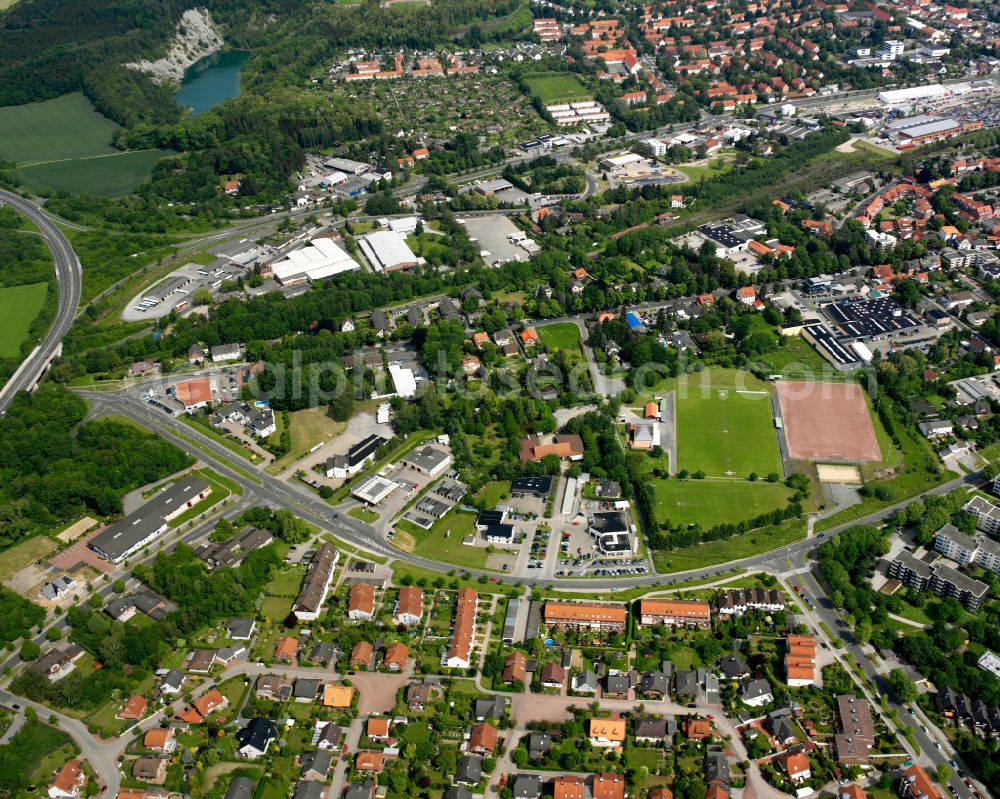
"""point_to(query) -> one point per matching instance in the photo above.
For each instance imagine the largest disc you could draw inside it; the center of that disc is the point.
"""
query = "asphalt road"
(934, 749)
(69, 276)
(303, 502)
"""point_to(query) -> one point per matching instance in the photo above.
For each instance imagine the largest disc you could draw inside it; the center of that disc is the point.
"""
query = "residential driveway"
(378, 691)
(563, 415)
(13, 729)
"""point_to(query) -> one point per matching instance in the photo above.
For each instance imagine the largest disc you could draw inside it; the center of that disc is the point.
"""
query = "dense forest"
(17, 615)
(53, 469)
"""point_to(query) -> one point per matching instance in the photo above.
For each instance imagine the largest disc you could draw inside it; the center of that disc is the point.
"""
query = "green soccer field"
(19, 305)
(725, 432)
(711, 502)
(557, 87)
(66, 127)
(104, 176)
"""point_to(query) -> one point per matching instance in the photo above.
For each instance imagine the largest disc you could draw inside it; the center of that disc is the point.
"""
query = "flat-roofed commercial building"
(319, 259)
(387, 251)
(374, 489)
(144, 525)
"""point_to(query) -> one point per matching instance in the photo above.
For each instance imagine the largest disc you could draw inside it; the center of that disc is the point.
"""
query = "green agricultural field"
(710, 502)
(726, 432)
(19, 305)
(560, 336)
(557, 87)
(66, 127)
(111, 175)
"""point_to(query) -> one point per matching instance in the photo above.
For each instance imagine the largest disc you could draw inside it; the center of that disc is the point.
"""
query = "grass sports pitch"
(557, 87)
(711, 502)
(19, 305)
(726, 432)
(66, 127)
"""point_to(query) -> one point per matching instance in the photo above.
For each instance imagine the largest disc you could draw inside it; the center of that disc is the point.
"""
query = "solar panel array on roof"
(870, 318)
(725, 235)
(826, 341)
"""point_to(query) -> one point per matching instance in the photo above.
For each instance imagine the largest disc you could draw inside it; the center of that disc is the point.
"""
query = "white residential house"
(756, 693)
(225, 352)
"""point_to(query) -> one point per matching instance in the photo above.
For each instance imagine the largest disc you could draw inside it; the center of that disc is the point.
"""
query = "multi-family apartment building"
(674, 612)
(938, 577)
(584, 616)
(979, 549)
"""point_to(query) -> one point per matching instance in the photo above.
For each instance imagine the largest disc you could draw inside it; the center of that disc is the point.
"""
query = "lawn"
(19, 305)
(724, 431)
(225, 482)
(286, 583)
(309, 427)
(276, 608)
(650, 758)
(66, 127)
(104, 717)
(493, 492)
(24, 554)
(716, 166)
(53, 748)
(797, 360)
(744, 545)
(560, 336)
(710, 502)
(557, 87)
(429, 245)
(112, 175)
(444, 540)
(366, 515)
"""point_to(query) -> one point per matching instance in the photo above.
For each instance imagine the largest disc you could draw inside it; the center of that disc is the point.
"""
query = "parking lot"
(175, 291)
(491, 233)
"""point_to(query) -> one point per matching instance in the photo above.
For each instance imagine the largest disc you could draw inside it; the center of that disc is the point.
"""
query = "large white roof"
(403, 380)
(894, 96)
(387, 250)
(319, 259)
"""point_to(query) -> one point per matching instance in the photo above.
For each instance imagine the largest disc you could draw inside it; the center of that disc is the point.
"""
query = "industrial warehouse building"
(319, 259)
(388, 251)
(137, 529)
(912, 94)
